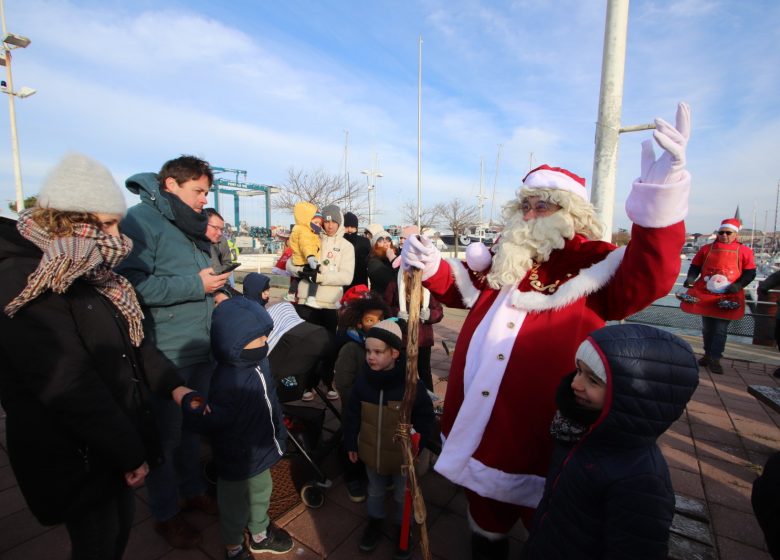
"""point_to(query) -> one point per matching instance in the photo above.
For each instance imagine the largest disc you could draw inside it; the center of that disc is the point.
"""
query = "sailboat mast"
(495, 180)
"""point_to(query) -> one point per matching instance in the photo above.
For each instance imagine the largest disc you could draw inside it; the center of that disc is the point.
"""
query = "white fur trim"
(520, 489)
(727, 225)
(468, 292)
(657, 206)
(551, 179)
(588, 281)
(480, 531)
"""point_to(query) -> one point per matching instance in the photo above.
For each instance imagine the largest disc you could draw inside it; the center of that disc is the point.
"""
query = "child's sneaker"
(290, 297)
(241, 554)
(311, 301)
(307, 396)
(277, 541)
(356, 491)
(371, 535)
(332, 395)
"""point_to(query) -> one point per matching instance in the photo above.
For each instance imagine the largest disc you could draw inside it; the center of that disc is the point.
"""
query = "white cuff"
(657, 206)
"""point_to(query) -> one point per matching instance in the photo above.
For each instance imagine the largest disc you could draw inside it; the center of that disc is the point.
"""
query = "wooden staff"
(410, 393)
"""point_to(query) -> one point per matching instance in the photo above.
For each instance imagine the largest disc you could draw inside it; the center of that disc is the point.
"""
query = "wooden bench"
(770, 396)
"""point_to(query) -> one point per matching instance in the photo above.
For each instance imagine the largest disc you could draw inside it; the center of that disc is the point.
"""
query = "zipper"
(379, 428)
(270, 410)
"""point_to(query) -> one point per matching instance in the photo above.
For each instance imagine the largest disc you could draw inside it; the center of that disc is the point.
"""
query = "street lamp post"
(12, 41)
(371, 186)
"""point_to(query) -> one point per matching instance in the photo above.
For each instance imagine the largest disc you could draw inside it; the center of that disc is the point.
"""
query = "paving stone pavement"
(714, 451)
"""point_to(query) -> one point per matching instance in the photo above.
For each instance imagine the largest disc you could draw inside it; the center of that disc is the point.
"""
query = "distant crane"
(240, 187)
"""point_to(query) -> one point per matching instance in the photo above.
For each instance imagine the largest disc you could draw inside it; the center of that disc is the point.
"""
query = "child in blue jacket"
(244, 419)
(608, 492)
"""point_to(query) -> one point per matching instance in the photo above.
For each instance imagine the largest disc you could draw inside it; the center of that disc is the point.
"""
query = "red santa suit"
(518, 342)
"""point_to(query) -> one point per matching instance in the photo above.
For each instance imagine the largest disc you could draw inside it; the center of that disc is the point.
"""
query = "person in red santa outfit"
(723, 269)
(549, 284)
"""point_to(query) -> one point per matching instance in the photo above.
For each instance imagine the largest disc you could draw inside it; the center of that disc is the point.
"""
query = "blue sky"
(266, 86)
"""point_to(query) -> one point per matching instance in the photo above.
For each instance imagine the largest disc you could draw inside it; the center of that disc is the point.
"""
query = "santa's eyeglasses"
(539, 207)
(726, 232)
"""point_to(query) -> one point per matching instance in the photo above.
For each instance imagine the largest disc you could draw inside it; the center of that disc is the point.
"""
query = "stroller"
(306, 423)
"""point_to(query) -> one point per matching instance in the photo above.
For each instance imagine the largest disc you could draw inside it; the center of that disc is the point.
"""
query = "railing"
(758, 322)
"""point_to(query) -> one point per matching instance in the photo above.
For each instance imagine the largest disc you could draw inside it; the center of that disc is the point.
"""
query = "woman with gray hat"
(77, 372)
(337, 266)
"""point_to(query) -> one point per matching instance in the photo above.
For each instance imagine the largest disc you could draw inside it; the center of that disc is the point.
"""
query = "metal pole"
(236, 208)
(12, 119)
(268, 208)
(347, 192)
(610, 107)
(774, 228)
(419, 135)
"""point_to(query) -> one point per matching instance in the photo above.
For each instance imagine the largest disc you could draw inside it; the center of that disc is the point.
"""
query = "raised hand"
(419, 252)
(673, 139)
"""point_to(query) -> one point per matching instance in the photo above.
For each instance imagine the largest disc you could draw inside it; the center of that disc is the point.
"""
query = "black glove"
(733, 288)
(689, 282)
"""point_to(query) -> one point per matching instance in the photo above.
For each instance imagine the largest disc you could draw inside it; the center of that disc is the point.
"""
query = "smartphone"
(230, 267)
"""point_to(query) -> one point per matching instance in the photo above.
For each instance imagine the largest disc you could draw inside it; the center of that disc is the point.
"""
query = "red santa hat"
(546, 177)
(731, 223)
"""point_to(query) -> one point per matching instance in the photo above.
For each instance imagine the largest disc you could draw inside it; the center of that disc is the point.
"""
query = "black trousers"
(299, 353)
(329, 320)
(102, 532)
(766, 503)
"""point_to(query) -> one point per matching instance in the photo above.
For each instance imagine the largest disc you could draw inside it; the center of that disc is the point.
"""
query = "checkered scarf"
(89, 254)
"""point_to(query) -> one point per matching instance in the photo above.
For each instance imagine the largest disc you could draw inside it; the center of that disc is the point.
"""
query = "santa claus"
(549, 283)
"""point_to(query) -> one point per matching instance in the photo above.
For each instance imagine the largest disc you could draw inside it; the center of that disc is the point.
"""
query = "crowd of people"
(124, 343)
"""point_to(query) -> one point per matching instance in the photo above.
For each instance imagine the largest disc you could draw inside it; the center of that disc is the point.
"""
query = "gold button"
(500, 356)
(511, 325)
(485, 393)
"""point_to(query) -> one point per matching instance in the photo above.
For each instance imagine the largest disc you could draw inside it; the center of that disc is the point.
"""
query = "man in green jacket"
(170, 268)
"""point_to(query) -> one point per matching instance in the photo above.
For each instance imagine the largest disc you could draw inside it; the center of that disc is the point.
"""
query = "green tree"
(29, 202)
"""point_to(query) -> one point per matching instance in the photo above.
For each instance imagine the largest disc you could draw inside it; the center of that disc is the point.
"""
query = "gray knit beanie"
(388, 332)
(80, 184)
(332, 213)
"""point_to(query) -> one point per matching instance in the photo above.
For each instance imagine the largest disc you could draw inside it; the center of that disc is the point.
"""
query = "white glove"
(312, 262)
(667, 168)
(425, 314)
(419, 252)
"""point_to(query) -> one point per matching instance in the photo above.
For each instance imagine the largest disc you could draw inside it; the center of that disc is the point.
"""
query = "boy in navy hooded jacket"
(244, 419)
(608, 492)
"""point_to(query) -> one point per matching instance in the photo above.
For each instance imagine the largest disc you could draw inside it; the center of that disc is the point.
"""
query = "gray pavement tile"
(324, 529)
(737, 525)
(721, 451)
(19, 528)
(729, 549)
(687, 483)
(52, 545)
(11, 501)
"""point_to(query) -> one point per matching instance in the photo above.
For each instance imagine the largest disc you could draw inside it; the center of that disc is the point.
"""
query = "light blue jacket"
(163, 267)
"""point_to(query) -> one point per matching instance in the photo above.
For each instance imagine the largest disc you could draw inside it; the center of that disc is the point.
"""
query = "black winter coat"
(245, 423)
(75, 390)
(609, 495)
(362, 250)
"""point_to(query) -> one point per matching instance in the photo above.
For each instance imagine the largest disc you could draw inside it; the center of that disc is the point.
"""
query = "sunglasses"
(726, 232)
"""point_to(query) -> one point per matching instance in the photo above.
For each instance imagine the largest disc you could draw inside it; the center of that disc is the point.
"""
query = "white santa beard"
(523, 242)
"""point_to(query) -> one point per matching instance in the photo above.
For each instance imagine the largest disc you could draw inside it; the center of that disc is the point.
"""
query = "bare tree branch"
(459, 217)
(319, 188)
(429, 217)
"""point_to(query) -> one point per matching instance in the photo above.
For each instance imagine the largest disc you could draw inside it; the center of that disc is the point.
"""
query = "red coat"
(497, 424)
